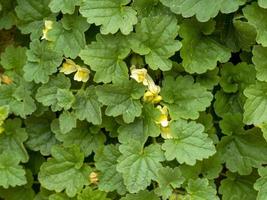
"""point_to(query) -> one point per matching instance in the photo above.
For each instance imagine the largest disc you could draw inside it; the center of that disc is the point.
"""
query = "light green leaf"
(168, 179)
(89, 193)
(65, 171)
(121, 99)
(262, 3)
(155, 38)
(13, 138)
(83, 136)
(255, 108)
(65, 6)
(139, 165)
(259, 53)
(67, 36)
(142, 195)
(200, 52)
(113, 48)
(254, 14)
(261, 184)
(236, 78)
(41, 137)
(189, 144)
(11, 173)
(243, 151)
(31, 14)
(14, 58)
(106, 162)
(67, 121)
(200, 189)
(112, 15)
(203, 9)
(184, 98)
(238, 187)
(142, 127)
(60, 196)
(87, 106)
(52, 93)
(42, 61)
(18, 96)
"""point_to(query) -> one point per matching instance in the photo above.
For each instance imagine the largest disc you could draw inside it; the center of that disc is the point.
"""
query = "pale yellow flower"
(152, 97)
(93, 178)
(163, 119)
(82, 74)
(48, 26)
(140, 75)
(166, 132)
(6, 79)
(69, 67)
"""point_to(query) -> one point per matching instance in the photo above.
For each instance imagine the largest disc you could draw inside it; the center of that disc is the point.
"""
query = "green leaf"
(238, 187)
(113, 48)
(7, 14)
(255, 110)
(259, 53)
(168, 179)
(209, 168)
(243, 150)
(231, 124)
(261, 184)
(106, 162)
(63, 6)
(56, 93)
(31, 14)
(228, 103)
(189, 144)
(60, 196)
(142, 195)
(142, 127)
(13, 58)
(65, 171)
(197, 44)
(236, 78)
(13, 138)
(155, 38)
(41, 137)
(121, 99)
(67, 36)
(18, 96)
(11, 173)
(200, 189)
(111, 15)
(184, 98)
(209, 79)
(89, 193)
(262, 3)
(139, 165)
(24, 192)
(83, 136)
(41, 63)
(254, 14)
(67, 121)
(87, 106)
(202, 9)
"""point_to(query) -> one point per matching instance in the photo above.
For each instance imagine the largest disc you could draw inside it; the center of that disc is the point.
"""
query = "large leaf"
(112, 15)
(139, 165)
(189, 143)
(65, 171)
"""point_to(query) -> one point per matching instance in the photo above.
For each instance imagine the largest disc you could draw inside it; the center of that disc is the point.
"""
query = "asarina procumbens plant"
(133, 99)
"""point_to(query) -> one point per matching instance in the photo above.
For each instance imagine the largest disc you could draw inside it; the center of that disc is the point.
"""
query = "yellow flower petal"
(48, 26)
(166, 133)
(164, 116)
(152, 97)
(93, 178)
(6, 80)
(69, 67)
(82, 74)
(139, 75)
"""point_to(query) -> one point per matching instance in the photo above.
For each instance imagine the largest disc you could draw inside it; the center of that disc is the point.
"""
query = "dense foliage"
(133, 99)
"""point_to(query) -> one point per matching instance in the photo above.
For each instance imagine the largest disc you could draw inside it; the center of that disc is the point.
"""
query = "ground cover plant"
(133, 99)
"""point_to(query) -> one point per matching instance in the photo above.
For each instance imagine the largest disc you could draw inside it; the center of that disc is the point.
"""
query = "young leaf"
(65, 6)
